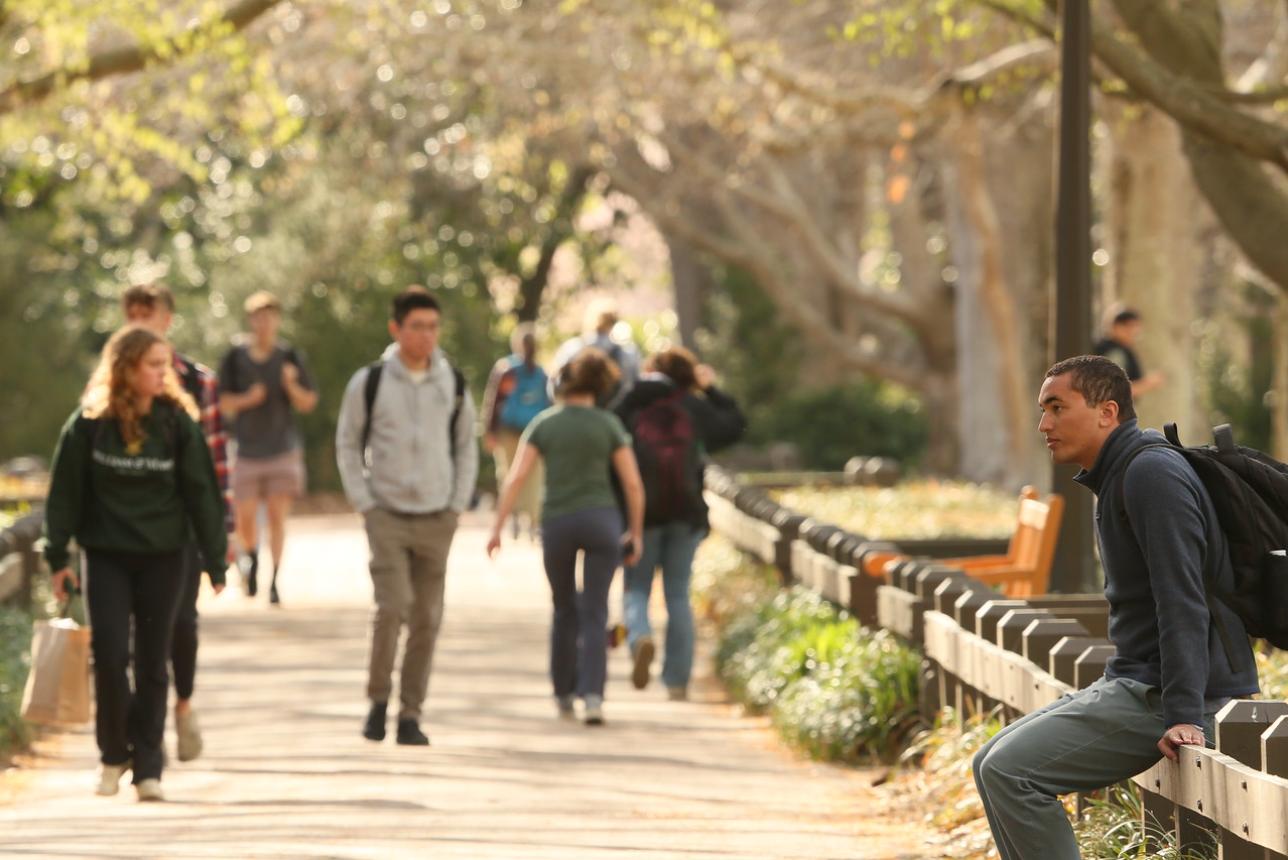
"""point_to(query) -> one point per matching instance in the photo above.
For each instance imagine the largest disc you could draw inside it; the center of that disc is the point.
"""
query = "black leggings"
(183, 651)
(145, 588)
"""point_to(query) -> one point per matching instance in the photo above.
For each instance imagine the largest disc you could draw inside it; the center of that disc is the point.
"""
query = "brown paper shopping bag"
(57, 689)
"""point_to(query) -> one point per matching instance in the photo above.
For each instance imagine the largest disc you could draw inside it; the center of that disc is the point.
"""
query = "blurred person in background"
(152, 306)
(263, 383)
(602, 321)
(517, 391)
(578, 443)
(677, 416)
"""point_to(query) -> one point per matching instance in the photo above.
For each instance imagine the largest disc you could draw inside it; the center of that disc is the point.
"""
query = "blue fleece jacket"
(1156, 555)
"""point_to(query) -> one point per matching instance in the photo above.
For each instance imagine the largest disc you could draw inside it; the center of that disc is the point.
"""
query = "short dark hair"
(591, 372)
(414, 298)
(1098, 380)
(1126, 315)
(148, 296)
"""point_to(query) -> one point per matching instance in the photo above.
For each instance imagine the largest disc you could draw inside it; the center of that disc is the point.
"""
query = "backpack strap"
(1209, 589)
(370, 386)
(458, 402)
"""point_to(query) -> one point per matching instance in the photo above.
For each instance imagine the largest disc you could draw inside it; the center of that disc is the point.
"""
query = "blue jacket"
(1156, 554)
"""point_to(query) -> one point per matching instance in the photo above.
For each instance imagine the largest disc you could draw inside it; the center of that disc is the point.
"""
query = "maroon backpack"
(667, 448)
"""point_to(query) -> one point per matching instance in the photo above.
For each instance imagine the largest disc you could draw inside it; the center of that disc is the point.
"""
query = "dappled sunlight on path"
(286, 773)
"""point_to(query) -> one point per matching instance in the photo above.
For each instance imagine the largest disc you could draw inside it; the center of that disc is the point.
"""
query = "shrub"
(15, 648)
(830, 425)
(832, 689)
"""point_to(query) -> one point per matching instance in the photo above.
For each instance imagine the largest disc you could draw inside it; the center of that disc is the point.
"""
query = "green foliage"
(1239, 385)
(1112, 829)
(760, 359)
(833, 689)
(15, 658)
(833, 424)
(759, 356)
(860, 697)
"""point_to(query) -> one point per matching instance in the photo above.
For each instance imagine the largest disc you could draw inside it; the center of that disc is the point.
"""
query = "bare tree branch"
(133, 58)
(1176, 92)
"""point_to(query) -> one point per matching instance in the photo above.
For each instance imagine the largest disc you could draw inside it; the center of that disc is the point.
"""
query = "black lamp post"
(1074, 565)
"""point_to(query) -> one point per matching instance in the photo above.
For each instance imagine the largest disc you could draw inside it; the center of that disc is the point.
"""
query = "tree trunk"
(999, 254)
(533, 287)
(1279, 382)
(1155, 215)
(941, 398)
(691, 281)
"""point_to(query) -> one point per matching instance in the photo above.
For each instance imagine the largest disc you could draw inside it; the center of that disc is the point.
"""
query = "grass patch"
(916, 510)
(832, 689)
(1112, 829)
(15, 658)
(940, 780)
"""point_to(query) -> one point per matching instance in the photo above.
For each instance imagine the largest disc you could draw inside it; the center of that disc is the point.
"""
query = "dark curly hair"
(591, 372)
(678, 364)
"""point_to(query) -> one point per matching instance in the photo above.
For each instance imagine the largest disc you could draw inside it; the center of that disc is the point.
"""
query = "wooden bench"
(1025, 570)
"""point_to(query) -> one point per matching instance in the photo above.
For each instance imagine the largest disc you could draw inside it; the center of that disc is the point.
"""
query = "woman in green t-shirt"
(578, 443)
(132, 478)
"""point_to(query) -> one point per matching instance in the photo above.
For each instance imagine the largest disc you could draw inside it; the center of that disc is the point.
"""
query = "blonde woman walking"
(132, 477)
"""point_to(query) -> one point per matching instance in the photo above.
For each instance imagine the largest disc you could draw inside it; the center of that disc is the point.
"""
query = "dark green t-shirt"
(577, 445)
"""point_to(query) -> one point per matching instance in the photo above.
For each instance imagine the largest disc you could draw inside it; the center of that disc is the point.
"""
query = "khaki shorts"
(261, 477)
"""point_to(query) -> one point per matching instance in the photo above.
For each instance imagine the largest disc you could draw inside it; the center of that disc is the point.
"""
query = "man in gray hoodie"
(1160, 541)
(408, 458)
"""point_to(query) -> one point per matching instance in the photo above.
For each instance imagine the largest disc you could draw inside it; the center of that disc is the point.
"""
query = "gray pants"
(1096, 737)
(408, 572)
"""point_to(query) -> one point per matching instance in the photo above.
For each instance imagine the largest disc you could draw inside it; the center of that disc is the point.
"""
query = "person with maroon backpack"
(677, 416)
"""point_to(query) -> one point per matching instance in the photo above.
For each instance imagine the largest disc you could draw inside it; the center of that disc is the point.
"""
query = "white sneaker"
(109, 778)
(189, 732)
(593, 715)
(149, 790)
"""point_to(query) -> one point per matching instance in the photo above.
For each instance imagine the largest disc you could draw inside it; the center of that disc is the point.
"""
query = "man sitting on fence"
(1159, 542)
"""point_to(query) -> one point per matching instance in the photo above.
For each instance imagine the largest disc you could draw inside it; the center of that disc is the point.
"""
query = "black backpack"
(375, 370)
(1249, 491)
(666, 447)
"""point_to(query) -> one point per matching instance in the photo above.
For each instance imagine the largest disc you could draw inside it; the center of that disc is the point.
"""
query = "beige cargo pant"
(408, 572)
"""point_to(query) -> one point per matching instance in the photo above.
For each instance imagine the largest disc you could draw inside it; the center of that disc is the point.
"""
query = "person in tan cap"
(263, 382)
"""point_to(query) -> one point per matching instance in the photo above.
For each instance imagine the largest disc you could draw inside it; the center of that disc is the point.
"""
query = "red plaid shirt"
(201, 382)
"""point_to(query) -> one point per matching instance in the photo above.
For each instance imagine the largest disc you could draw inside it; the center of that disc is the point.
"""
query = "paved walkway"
(286, 773)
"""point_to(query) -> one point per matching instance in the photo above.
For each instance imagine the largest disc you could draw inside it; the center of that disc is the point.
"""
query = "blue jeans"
(671, 547)
(578, 646)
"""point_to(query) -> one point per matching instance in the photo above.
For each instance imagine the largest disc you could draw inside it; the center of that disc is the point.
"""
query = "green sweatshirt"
(146, 502)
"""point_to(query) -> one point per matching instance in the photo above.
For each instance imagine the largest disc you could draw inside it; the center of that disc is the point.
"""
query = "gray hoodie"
(412, 469)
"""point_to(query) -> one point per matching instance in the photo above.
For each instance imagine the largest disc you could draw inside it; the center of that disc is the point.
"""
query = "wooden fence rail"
(984, 652)
(19, 561)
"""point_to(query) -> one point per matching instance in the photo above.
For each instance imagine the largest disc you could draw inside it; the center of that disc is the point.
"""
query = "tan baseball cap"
(262, 300)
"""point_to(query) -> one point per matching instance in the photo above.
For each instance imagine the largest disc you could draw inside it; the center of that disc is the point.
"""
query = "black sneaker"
(410, 735)
(273, 597)
(252, 573)
(374, 728)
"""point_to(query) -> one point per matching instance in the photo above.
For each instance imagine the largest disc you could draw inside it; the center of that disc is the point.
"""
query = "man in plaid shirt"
(152, 305)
